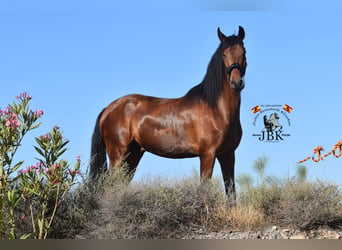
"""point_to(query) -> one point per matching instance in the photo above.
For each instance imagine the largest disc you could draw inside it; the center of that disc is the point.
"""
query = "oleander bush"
(30, 196)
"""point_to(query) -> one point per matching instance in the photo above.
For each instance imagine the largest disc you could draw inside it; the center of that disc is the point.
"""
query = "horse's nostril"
(242, 84)
(237, 86)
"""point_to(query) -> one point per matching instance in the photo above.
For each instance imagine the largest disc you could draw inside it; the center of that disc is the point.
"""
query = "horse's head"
(234, 57)
(274, 116)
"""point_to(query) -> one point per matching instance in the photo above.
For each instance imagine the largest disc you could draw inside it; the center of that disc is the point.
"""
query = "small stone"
(298, 237)
(334, 235)
(283, 235)
(274, 228)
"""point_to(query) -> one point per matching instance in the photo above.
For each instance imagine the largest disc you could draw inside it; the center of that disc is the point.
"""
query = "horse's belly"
(173, 155)
(167, 144)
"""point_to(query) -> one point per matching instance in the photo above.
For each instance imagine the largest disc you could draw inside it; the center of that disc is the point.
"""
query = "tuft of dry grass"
(237, 218)
(157, 208)
(298, 204)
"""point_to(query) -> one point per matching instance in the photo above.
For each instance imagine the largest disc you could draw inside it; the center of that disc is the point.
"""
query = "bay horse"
(205, 122)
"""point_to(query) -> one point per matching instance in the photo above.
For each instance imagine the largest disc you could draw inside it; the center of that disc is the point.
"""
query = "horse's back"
(127, 112)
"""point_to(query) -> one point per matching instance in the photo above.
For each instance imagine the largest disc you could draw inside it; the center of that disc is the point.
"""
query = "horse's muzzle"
(237, 86)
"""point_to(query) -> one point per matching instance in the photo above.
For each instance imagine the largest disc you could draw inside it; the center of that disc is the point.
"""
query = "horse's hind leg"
(128, 161)
(207, 165)
(126, 156)
(134, 154)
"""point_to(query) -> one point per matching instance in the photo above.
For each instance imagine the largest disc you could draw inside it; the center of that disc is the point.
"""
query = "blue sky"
(77, 57)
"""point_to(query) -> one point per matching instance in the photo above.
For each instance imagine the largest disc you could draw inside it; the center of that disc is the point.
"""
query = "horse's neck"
(229, 103)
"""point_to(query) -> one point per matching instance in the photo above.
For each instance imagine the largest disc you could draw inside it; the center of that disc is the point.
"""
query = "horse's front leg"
(227, 162)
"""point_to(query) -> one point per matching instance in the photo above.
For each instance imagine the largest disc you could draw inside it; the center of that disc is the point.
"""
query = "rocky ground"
(273, 232)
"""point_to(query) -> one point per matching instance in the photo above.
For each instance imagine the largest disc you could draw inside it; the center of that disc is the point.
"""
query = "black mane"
(212, 85)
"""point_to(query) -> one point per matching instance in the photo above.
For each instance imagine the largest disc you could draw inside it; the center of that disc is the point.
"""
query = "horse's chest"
(231, 138)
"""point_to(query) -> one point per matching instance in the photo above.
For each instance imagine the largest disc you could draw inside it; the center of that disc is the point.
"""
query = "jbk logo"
(272, 129)
(271, 136)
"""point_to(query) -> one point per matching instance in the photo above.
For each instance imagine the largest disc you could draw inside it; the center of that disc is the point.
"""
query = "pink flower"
(72, 172)
(4, 112)
(12, 122)
(39, 113)
(24, 96)
(26, 170)
(55, 128)
(46, 136)
(15, 123)
(55, 165)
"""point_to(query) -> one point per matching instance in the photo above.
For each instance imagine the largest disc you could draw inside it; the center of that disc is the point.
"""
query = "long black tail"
(98, 161)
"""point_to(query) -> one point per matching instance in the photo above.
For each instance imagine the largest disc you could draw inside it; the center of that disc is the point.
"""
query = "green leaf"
(40, 224)
(41, 152)
(65, 143)
(18, 165)
(61, 152)
(12, 198)
(33, 191)
(35, 125)
(25, 236)
(40, 142)
(11, 235)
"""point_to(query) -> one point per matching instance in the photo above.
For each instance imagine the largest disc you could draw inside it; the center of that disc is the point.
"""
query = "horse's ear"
(241, 33)
(221, 36)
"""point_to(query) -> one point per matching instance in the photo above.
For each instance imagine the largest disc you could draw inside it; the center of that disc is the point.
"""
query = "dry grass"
(172, 208)
(156, 208)
(302, 205)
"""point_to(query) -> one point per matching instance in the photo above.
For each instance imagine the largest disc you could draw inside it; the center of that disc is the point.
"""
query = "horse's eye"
(224, 56)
